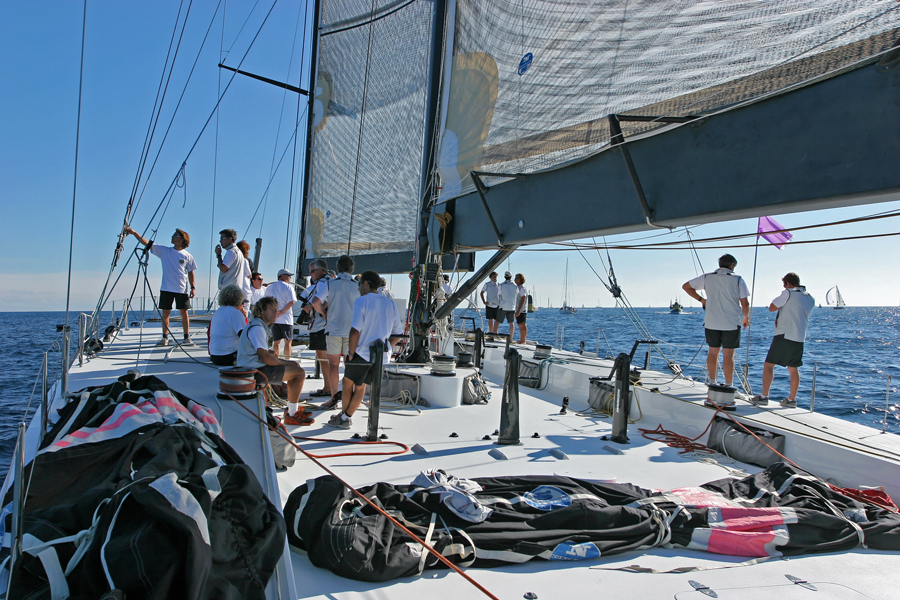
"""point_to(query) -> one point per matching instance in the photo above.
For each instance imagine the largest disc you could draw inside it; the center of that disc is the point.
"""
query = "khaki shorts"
(337, 345)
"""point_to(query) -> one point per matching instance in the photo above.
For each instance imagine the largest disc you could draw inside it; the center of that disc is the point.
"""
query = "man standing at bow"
(177, 281)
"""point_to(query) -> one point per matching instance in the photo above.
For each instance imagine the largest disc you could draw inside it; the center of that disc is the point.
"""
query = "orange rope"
(404, 447)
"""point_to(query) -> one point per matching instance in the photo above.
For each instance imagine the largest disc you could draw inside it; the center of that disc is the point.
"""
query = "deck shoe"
(338, 422)
(301, 417)
(163, 342)
(759, 400)
(710, 403)
(332, 404)
(188, 342)
(789, 403)
(741, 396)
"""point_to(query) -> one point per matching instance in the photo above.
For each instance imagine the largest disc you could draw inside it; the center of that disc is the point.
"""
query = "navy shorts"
(786, 353)
(282, 331)
(359, 370)
(490, 313)
(723, 339)
(521, 318)
(318, 340)
(182, 301)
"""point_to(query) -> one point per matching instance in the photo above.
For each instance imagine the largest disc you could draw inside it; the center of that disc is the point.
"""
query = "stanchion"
(887, 404)
(376, 355)
(812, 395)
(18, 509)
(45, 395)
(64, 383)
(509, 406)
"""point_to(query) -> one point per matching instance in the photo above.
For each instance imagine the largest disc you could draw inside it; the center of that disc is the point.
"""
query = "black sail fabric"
(780, 511)
(164, 510)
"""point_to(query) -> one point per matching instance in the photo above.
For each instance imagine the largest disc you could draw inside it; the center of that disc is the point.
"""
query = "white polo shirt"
(176, 264)
(724, 291)
(375, 317)
(284, 293)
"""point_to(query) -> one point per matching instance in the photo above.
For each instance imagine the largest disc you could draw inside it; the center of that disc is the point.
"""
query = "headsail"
(833, 298)
(369, 123)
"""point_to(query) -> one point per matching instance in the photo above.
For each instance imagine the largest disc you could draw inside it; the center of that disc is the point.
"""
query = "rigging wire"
(212, 216)
(75, 173)
(104, 296)
(287, 233)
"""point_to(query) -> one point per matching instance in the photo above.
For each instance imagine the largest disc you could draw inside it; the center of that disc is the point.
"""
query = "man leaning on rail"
(727, 309)
(793, 306)
(178, 268)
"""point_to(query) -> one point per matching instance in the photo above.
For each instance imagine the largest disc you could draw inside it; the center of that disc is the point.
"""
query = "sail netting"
(532, 82)
(369, 127)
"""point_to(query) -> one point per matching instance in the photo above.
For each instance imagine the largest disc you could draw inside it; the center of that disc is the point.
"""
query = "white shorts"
(337, 345)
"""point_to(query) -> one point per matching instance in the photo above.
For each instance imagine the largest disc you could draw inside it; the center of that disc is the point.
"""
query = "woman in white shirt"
(226, 326)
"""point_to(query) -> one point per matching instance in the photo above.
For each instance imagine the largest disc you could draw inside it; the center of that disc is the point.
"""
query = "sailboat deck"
(578, 434)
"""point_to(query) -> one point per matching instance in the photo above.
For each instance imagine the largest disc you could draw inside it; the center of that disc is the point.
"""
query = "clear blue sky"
(124, 55)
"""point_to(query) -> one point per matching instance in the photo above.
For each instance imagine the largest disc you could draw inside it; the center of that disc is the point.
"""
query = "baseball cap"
(507, 275)
(284, 272)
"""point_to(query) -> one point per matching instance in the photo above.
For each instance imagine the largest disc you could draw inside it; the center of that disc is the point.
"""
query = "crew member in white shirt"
(231, 264)
(375, 317)
(257, 289)
(793, 306)
(318, 340)
(254, 353)
(727, 309)
(338, 298)
(246, 273)
(226, 326)
(383, 289)
(509, 296)
(283, 327)
(446, 287)
(490, 296)
(177, 285)
(521, 312)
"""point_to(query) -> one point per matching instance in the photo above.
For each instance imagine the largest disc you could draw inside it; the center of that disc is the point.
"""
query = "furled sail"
(532, 82)
(369, 121)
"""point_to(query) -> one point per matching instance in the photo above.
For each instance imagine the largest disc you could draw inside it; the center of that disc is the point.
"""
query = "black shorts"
(182, 301)
(723, 339)
(358, 370)
(786, 353)
(282, 331)
(490, 313)
(521, 318)
(318, 340)
(272, 374)
(224, 360)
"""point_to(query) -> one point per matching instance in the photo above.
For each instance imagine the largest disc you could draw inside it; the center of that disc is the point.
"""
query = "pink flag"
(765, 228)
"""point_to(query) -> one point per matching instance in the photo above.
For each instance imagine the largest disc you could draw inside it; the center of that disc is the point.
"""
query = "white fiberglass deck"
(857, 574)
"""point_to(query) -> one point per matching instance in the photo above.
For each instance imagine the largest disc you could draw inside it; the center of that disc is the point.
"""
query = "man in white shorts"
(375, 317)
(283, 327)
(177, 285)
(338, 298)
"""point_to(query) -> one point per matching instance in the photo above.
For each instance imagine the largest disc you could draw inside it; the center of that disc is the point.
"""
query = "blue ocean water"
(855, 350)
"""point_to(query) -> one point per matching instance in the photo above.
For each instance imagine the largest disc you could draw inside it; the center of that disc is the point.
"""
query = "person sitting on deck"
(254, 353)
(226, 326)
(178, 271)
(375, 317)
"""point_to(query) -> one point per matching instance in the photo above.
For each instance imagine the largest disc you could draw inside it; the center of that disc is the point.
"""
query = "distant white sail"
(833, 298)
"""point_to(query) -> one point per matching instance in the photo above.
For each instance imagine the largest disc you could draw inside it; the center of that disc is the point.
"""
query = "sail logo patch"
(585, 551)
(547, 497)
(525, 63)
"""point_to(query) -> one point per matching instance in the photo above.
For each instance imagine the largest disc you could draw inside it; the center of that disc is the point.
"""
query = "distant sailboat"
(565, 305)
(834, 299)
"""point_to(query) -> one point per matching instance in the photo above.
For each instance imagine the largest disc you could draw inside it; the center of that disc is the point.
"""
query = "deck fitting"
(557, 453)
(417, 449)
(498, 454)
